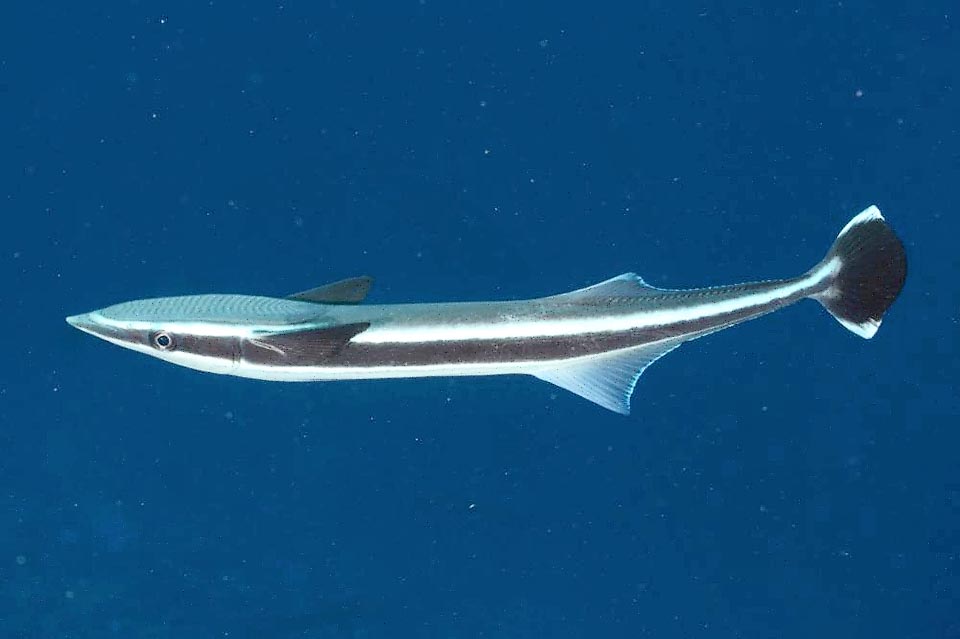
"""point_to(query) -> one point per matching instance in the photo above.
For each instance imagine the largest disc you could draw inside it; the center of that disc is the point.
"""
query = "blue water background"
(782, 479)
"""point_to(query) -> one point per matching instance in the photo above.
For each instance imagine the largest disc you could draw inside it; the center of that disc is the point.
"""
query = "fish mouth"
(87, 323)
(82, 322)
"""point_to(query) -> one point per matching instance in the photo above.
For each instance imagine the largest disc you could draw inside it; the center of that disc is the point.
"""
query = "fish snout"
(87, 323)
(82, 321)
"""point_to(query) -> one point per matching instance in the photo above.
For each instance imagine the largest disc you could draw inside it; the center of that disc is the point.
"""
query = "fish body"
(594, 341)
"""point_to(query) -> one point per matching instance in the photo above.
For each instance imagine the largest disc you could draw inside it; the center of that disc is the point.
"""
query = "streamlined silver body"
(594, 341)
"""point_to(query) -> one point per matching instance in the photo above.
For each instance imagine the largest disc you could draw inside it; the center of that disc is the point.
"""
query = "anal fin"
(607, 379)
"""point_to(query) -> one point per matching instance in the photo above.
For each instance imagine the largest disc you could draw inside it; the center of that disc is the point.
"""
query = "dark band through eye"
(162, 340)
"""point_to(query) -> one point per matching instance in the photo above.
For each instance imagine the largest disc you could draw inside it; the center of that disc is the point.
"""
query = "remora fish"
(594, 342)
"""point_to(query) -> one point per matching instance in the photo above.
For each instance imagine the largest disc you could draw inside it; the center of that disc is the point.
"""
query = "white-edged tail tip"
(867, 214)
(866, 330)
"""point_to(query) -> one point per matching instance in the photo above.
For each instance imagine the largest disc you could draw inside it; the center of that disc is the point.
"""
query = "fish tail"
(862, 273)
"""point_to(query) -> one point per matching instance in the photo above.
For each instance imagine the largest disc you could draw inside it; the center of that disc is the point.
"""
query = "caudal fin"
(864, 272)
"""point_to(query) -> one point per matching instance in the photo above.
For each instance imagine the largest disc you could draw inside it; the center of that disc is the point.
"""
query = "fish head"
(175, 329)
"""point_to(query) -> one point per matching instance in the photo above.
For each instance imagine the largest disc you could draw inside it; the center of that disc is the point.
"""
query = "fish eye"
(163, 340)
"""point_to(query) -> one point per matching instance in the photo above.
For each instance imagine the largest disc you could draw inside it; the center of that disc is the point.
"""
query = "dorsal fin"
(352, 290)
(607, 379)
(625, 285)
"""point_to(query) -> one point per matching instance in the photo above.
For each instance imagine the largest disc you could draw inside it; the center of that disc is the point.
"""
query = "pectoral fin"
(349, 291)
(300, 348)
